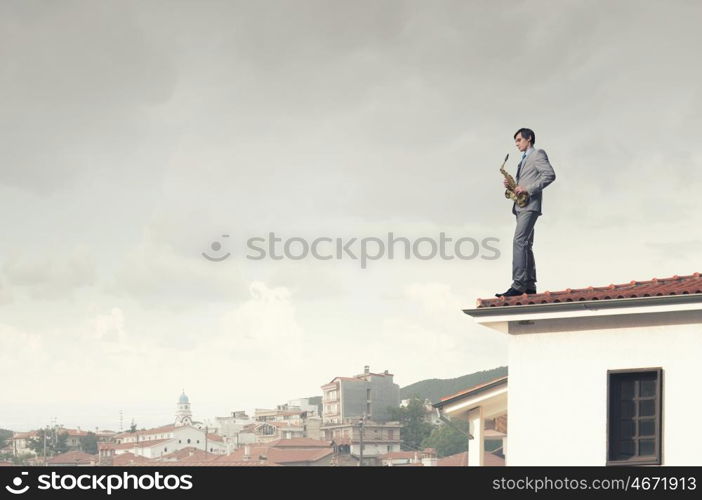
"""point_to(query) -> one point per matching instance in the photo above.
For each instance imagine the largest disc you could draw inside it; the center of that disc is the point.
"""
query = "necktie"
(519, 168)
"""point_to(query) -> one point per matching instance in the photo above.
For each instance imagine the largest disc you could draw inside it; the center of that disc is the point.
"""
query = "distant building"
(20, 443)
(72, 437)
(230, 427)
(356, 415)
(20, 440)
(160, 441)
(368, 395)
(373, 438)
(286, 422)
(183, 414)
(304, 404)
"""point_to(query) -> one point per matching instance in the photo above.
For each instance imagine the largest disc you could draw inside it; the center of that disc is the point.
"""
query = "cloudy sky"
(136, 134)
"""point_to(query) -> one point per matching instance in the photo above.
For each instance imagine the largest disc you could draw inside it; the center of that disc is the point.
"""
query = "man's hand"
(519, 190)
(505, 182)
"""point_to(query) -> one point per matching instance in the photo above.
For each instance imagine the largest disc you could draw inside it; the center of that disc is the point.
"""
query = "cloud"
(157, 274)
(263, 327)
(435, 338)
(110, 327)
(53, 275)
(5, 295)
(77, 81)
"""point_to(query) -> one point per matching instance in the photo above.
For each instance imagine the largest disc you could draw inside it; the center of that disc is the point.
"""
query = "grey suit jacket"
(535, 175)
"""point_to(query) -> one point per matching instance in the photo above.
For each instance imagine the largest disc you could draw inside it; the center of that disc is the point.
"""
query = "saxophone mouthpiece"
(506, 156)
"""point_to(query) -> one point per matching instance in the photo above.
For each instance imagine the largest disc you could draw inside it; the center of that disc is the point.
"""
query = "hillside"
(434, 389)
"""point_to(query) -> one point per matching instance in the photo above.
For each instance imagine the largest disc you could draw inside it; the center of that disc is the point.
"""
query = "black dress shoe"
(530, 291)
(512, 292)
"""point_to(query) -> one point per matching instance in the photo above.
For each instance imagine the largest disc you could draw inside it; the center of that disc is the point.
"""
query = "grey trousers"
(523, 264)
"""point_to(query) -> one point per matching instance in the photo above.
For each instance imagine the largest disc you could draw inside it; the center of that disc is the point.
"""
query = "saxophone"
(521, 199)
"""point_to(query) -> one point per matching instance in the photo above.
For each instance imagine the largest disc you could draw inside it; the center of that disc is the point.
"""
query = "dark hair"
(527, 134)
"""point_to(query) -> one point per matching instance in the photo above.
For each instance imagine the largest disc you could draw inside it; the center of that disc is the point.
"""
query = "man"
(534, 173)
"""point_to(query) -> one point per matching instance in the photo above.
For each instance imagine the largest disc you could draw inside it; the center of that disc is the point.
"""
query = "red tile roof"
(461, 460)
(401, 454)
(73, 458)
(25, 435)
(187, 452)
(73, 432)
(254, 452)
(219, 461)
(127, 446)
(675, 285)
(131, 459)
(285, 456)
(145, 432)
(59, 430)
(300, 443)
(285, 451)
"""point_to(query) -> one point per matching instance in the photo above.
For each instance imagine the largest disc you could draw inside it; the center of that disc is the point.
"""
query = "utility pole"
(206, 428)
(45, 431)
(360, 461)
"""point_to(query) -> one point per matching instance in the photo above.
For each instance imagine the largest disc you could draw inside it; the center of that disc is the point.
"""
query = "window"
(634, 416)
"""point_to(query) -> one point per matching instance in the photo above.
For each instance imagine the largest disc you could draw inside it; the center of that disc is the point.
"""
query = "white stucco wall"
(373, 450)
(558, 387)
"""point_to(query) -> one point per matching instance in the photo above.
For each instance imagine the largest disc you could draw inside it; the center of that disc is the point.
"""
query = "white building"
(603, 376)
(20, 443)
(232, 425)
(303, 404)
(160, 441)
(183, 414)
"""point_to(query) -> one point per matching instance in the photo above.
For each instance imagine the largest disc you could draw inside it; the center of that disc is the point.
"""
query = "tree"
(414, 426)
(447, 440)
(133, 427)
(56, 442)
(5, 437)
(88, 443)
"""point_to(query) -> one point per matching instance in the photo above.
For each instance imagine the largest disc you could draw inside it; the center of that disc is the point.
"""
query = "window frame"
(657, 458)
